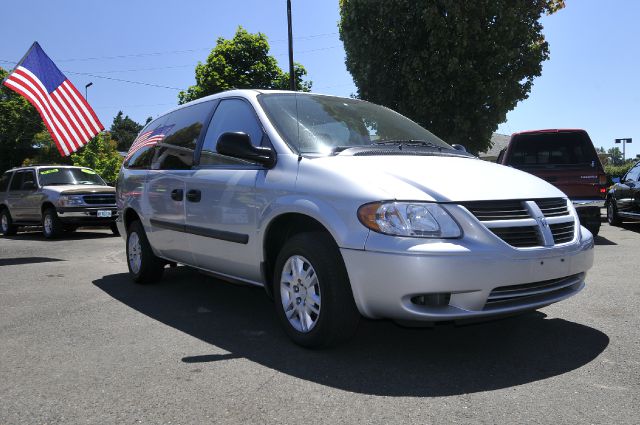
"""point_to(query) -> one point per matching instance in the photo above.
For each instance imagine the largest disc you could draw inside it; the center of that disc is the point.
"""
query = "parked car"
(58, 197)
(623, 198)
(341, 208)
(567, 160)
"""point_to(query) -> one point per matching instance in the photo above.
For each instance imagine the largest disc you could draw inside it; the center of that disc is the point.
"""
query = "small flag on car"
(69, 118)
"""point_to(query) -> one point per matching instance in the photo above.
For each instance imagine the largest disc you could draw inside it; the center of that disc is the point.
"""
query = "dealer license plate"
(104, 213)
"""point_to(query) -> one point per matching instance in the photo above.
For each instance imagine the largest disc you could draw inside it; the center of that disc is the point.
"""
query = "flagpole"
(19, 62)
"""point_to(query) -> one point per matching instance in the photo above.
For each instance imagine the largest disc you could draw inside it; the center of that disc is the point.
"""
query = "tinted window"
(562, 148)
(28, 177)
(17, 181)
(633, 174)
(232, 115)
(143, 147)
(4, 181)
(183, 127)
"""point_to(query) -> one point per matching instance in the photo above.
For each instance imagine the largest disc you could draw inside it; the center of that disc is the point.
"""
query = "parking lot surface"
(80, 343)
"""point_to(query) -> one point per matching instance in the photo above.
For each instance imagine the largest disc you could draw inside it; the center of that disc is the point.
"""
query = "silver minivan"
(341, 208)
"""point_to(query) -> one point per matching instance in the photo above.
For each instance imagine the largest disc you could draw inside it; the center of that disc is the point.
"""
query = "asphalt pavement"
(80, 343)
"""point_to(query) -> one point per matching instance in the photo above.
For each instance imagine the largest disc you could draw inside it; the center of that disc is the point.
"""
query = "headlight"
(421, 220)
(71, 200)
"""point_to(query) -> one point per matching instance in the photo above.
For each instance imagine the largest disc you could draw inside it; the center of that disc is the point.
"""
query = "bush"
(617, 170)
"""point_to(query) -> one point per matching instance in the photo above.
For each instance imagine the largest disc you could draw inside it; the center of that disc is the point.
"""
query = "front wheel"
(144, 266)
(612, 213)
(313, 295)
(51, 225)
(6, 223)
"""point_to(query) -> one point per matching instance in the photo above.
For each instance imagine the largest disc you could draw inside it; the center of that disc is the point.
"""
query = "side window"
(28, 177)
(16, 183)
(4, 181)
(231, 115)
(182, 130)
(143, 147)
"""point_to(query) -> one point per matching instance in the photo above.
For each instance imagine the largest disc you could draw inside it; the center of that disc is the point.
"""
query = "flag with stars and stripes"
(66, 114)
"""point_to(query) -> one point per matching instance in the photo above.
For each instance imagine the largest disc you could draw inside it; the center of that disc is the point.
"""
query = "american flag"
(67, 115)
(148, 138)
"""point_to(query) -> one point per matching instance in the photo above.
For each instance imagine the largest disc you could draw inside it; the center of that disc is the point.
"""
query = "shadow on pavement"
(601, 240)
(382, 358)
(634, 227)
(26, 260)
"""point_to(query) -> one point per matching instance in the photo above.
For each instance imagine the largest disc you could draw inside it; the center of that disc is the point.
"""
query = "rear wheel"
(612, 213)
(144, 265)
(313, 297)
(6, 223)
(51, 225)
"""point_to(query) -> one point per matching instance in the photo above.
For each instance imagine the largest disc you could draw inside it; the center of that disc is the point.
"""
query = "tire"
(144, 266)
(114, 229)
(612, 213)
(7, 228)
(52, 227)
(333, 316)
(594, 228)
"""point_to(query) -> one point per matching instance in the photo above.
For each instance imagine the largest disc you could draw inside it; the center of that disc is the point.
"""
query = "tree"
(101, 155)
(616, 155)
(124, 131)
(456, 67)
(45, 151)
(241, 63)
(19, 122)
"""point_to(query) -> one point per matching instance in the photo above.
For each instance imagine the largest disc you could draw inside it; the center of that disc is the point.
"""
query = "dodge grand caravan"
(341, 208)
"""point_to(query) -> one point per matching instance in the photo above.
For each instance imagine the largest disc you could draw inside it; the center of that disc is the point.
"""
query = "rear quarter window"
(4, 181)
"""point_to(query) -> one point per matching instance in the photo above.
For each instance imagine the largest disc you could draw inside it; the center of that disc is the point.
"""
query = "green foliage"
(241, 63)
(456, 67)
(617, 170)
(615, 155)
(45, 151)
(124, 131)
(101, 155)
(19, 122)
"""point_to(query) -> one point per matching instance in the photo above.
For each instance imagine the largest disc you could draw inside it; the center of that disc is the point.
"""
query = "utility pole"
(624, 143)
(292, 77)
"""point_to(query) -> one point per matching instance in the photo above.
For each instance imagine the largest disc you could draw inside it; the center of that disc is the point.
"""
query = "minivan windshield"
(61, 176)
(318, 124)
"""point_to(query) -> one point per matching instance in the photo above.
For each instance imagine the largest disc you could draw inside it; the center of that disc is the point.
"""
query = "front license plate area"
(104, 213)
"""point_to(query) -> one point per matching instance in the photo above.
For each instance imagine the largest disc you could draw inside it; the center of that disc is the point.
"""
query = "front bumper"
(384, 283)
(87, 216)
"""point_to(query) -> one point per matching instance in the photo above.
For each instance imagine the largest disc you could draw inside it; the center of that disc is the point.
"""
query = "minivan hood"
(75, 189)
(441, 179)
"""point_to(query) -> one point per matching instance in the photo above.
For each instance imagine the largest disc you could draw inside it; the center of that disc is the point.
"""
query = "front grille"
(562, 232)
(100, 199)
(520, 237)
(531, 291)
(553, 207)
(497, 210)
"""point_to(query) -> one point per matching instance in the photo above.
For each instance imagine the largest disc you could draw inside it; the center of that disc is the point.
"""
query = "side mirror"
(238, 145)
(29, 186)
(459, 147)
(615, 180)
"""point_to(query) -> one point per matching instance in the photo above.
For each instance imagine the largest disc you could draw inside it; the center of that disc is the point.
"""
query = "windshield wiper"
(408, 142)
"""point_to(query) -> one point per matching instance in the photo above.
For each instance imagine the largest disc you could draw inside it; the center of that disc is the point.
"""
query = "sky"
(591, 80)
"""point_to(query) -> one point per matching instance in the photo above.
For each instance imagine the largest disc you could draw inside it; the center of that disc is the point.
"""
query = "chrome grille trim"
(527, 223)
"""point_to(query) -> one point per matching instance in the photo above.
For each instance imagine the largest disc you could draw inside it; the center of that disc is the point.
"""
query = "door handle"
(177, 194)
(194, 195)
